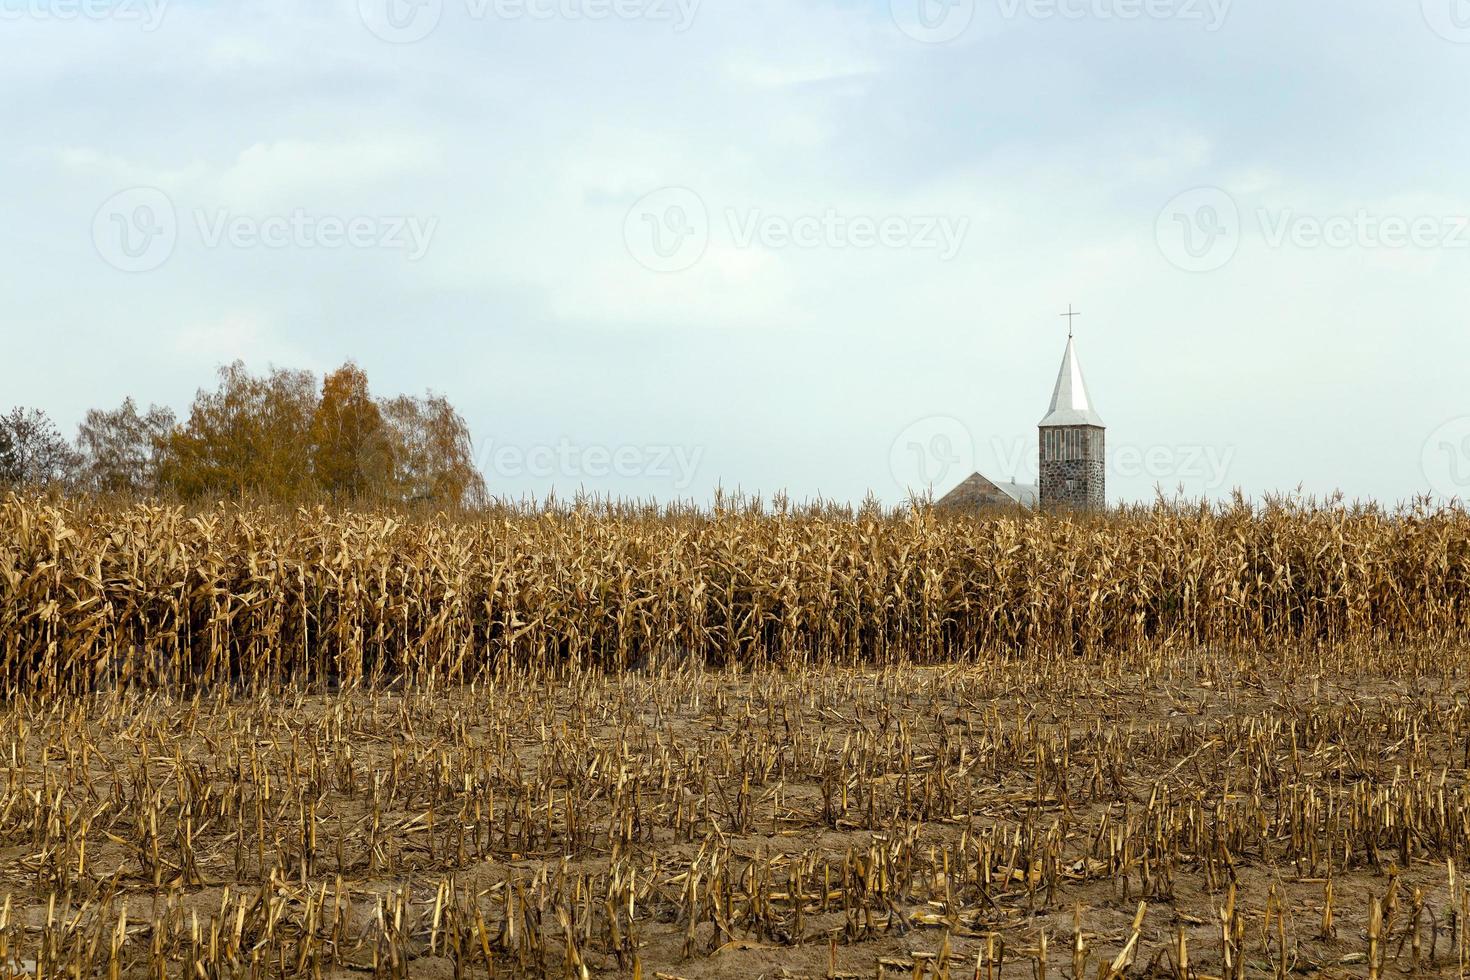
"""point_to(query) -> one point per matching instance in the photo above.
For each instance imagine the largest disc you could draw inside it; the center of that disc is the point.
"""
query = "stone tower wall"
(1078, 483)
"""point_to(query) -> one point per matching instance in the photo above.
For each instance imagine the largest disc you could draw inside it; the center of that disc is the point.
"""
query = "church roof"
(1070, 402)
(977, 490)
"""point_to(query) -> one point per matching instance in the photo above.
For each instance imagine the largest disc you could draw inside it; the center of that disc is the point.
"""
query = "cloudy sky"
(652, 247)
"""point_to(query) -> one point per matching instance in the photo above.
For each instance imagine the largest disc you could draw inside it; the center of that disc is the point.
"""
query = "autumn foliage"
(276, 437)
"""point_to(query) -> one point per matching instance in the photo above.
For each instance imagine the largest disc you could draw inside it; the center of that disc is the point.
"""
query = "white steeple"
(1070, 402)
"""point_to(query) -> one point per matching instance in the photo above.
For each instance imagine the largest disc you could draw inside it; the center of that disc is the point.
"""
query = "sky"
(656, 248)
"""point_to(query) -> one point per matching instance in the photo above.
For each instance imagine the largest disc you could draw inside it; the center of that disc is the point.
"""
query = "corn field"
(158, 597)
(1187, 743)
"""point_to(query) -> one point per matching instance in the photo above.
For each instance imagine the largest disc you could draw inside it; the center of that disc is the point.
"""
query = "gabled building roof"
(1070, 402)
(978, 491)
(1024, 494)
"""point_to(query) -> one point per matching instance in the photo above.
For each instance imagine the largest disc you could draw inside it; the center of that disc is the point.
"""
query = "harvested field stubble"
(155, 596)
(1209, 814)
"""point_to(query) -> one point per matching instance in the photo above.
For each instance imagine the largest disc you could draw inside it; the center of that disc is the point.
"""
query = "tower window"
(1079, 443)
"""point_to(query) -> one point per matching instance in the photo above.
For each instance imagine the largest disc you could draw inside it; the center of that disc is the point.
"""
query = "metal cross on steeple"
(1070, 317)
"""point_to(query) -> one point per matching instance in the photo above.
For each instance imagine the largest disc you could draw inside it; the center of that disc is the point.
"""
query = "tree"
(272, 436)
(251, 435)
(122, 448)
(433, 455)
(9, 459)
(350, 448)
(33, 453)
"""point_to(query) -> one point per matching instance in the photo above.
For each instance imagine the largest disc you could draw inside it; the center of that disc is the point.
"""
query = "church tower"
(1072, 443)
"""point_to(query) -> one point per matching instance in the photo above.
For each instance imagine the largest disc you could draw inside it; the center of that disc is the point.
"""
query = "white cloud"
(237, 336)
(766, 71)
(290, 171)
